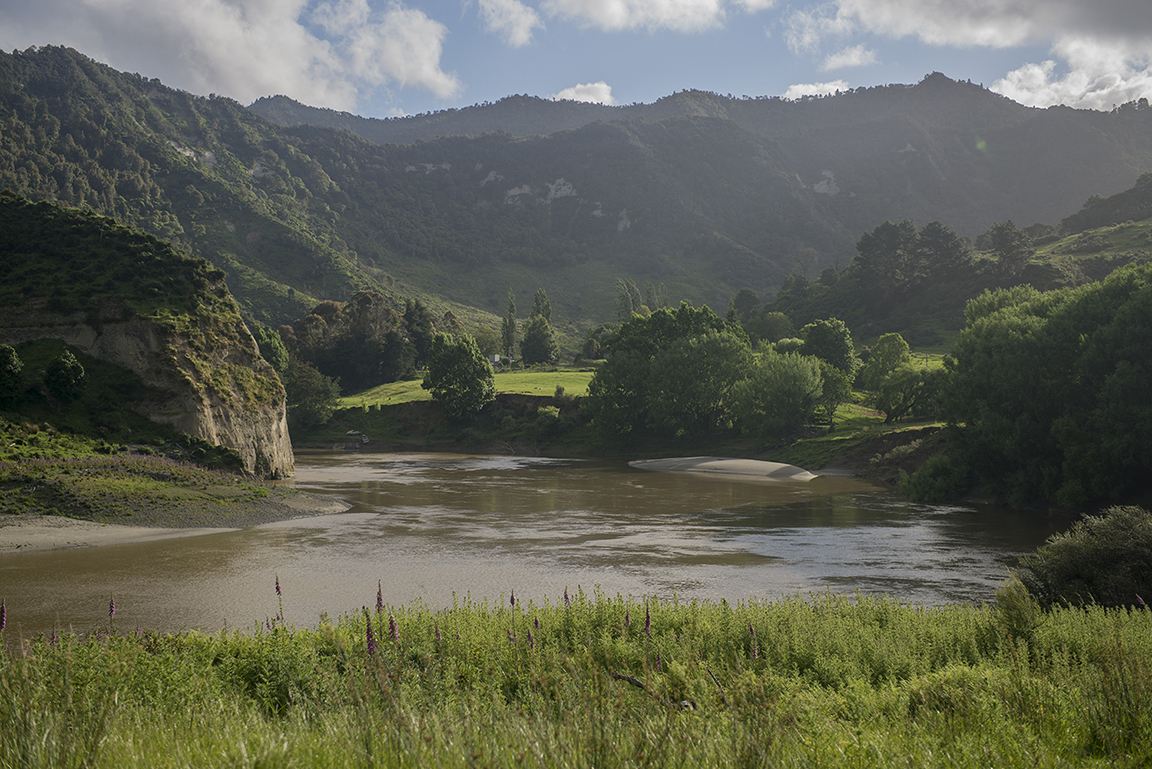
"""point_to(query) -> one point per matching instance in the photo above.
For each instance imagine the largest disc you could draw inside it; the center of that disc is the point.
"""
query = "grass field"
(822, 681)
(531, 382)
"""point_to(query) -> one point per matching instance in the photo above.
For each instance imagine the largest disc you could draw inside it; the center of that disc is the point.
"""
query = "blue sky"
(382, 58)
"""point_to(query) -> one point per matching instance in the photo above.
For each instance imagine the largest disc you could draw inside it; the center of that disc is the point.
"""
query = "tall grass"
(596, 681)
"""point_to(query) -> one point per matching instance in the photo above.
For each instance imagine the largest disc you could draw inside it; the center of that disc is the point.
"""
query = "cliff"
(225, 394)
(127, 298)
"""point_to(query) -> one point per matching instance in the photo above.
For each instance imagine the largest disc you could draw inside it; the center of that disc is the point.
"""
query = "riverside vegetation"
(595, 681)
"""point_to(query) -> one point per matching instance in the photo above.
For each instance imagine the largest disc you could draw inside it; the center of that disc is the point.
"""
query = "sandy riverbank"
(34, 533)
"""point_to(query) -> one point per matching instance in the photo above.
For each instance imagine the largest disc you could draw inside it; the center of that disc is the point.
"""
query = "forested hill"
(702, 193)
(298, 214)
(940, 149)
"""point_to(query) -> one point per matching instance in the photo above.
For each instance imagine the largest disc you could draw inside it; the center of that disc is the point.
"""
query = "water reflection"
(438, 528)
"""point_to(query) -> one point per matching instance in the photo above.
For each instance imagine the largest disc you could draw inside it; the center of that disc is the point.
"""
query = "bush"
(10, 368)
(1104, 560)
(65, 378)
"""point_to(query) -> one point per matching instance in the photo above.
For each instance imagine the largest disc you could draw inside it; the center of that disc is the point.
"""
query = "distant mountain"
(940, 149)
(703, 193)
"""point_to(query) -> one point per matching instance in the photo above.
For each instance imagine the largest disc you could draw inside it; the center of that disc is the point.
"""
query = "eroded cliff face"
(213, 386)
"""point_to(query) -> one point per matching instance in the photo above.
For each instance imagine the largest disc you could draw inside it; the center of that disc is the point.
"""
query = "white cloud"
(854, 56)
(247, 48)
(598, 93)
(652, 15)
(512, 19)
(1100, 76)
(815, 89)
(1105, 45)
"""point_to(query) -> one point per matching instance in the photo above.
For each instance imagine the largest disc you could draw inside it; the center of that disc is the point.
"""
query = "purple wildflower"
(658, 665)
(628, 618)
(437, 632)
(3, 615)
(511, 637)
(278, 584)
(393, 628)
(370, 639)
(512, 599)
(111, 607)
(531, 641)
(537, 623)
(1139, 600)
(379, 597)
(567, 600)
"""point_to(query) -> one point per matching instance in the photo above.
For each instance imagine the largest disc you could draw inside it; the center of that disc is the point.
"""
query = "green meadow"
(528, 382)
(596, 681)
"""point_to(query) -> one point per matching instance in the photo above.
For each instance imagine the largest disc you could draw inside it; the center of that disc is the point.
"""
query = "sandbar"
(37, 533)
(740, 468)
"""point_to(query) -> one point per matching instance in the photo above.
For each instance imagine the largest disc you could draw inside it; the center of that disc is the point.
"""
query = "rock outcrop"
(219, 390)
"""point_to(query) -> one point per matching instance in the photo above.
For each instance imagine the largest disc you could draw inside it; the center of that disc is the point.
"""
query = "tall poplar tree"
(508, 328)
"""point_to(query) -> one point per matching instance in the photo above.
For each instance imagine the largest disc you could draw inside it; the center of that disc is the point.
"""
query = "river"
(439, 528)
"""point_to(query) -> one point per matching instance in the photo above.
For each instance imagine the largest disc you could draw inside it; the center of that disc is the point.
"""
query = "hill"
(939, 149)
(702, 193)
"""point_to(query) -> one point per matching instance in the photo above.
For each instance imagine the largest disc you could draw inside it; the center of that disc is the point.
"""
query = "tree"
(745, 303)
(541, 306)
(487, 340)
(770, 326)
(65, 378)
(628, 299)
(888, 354)
(508, 328)
(539, 345)
(778, 396)
(940, 249)
(691, 381)
(459, 377)
(619, 395)
(10, 368)
(831, 341)
(1049, 395)
(835, 391)
(1011, 246)
(421, 327)
(271, 346)
(888, 255)
(655, 295)
(312, 396)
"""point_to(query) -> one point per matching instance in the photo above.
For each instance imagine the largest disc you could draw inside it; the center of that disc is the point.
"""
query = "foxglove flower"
(567, 600)
(628, 619)
(3, 616)
(111, 607)
(277, 584)
(531, 641)
(393, 628)
(379, 597)
(512, 599)
(437, 632)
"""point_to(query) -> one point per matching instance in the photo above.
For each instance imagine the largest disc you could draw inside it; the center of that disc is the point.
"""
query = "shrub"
(65, 378)
(1104, 559)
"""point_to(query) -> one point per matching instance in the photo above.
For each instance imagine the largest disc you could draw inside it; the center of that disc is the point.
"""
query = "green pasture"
(530, 382)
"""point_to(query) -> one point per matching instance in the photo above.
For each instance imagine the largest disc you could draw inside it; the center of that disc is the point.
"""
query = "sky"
(386, 58)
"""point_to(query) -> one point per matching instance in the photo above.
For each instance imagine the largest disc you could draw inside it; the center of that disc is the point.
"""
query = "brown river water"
(439, 528)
